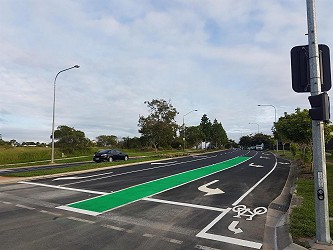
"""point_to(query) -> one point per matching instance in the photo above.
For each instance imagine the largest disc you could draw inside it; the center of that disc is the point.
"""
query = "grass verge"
(302, 219)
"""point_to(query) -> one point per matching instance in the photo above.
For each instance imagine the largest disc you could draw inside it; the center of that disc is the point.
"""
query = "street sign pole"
(319, 159)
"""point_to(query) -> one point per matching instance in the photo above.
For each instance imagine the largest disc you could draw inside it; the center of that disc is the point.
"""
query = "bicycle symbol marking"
(241, 210)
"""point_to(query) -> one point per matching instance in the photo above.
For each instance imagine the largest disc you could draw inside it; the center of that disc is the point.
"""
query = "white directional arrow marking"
(232, 227)
(256, 166)
(210, 191)
(264, 157)
(79, 177)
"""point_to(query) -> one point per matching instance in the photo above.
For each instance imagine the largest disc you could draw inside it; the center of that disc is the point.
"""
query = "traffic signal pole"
(319, 159)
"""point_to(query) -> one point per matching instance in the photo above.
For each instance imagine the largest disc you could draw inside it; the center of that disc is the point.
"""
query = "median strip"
(101, 204)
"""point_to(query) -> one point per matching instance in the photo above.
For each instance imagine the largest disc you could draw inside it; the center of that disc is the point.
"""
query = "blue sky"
(220, 57)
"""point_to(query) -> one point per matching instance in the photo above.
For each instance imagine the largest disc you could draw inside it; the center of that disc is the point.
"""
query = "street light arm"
(55, 79)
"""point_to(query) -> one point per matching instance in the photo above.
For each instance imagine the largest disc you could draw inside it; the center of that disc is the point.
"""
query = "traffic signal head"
(320, 107)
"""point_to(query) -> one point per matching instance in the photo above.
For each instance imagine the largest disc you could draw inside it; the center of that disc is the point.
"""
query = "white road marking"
(175, 241)
(77, 210)
(148, 235)
(26, 207)
(81, 220)
(205, 247)
(264, 157)
(185, 204)
(256, 166)
(6, 202)
(162, 163)
(210, 191)
(203, 234)
(251, 189)
(79, 177)
(232, 227)
(117, 228)
(64, 188)
(284, 163)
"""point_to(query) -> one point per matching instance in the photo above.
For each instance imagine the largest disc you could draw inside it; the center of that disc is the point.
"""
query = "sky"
(221, 57)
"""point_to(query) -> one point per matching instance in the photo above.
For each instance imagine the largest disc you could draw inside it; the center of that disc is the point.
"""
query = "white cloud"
(220, 57)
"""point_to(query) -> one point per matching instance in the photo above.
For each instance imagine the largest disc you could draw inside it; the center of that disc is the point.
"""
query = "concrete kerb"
(276, 235)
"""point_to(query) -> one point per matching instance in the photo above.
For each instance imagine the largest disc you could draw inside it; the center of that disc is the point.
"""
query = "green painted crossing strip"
(125, 196)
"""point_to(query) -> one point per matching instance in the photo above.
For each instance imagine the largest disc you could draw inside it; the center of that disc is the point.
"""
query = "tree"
(218, 134)
(297, 129)
(193, 136)
(68, 139)
(106, 140)
(159, 127)
(206, 128)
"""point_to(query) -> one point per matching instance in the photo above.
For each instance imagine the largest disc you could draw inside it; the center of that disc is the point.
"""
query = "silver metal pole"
(318, 142)
(54, 98)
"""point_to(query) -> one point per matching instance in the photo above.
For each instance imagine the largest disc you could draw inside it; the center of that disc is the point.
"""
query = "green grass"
(21, 157)
(302, 220)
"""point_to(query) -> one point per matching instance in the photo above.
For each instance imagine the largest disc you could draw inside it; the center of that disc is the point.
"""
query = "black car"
(109, 155)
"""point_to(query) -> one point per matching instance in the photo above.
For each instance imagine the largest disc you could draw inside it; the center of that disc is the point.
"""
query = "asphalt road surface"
(212, 201)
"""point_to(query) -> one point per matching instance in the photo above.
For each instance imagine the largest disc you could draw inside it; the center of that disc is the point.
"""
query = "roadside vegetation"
(302, 218)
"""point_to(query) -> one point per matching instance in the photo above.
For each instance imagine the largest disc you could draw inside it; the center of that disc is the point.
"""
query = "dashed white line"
(81, 220)
(6, 202)
(26, 207)
(205, 247)
(117, 228)
(64, 188)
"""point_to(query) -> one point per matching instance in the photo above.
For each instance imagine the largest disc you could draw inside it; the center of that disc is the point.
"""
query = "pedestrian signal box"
(320, 107)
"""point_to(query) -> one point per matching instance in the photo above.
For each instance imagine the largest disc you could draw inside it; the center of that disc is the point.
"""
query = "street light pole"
(184, 125)
(270, 105)
(54, 98)
(255, 123)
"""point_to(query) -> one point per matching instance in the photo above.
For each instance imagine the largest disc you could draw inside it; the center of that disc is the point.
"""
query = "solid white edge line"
(77, 210)
(184, 204)
(255, 185)
(234, 241)
(64, 188)
(203, 234)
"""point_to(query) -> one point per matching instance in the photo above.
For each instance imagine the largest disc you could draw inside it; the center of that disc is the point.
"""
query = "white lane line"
(26, 207)
(137, 171)
(64, 188)
(179, 242)
(253, 187)
(234, 241)
(162, 163)
(80, 177)
(148, 235)
(205, 247)
(77, 210)
(6, 202)
(81, 220)
(117, 228)
(185, 204)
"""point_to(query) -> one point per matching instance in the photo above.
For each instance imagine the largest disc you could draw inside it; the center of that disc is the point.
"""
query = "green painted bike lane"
(128, 195)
